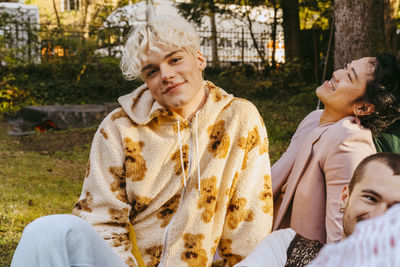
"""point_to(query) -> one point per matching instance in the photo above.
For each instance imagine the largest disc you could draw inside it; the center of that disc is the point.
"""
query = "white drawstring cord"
(180, 149)
(197, 157)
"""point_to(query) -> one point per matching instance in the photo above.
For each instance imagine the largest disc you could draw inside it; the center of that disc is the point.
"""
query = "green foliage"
(194, 10)
(19, 37)
(63, 82)
(315, 14)
(248, 82)
(71, 82)
(11, 96)
(65, 44)
(7, 54)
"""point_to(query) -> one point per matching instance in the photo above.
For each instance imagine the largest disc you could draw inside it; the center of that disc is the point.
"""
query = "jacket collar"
(141, 107)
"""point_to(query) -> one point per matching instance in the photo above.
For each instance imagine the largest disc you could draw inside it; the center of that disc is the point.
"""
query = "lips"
(172, 87)
(329, 84)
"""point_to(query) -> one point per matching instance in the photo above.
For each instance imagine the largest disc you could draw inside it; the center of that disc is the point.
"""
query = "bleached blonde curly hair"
(171, 32)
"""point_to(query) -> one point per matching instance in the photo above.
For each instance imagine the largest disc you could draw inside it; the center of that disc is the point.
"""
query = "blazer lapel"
(299, 167)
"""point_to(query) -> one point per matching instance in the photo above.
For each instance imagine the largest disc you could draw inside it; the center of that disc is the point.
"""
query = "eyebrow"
(372, 192)
(149, 66)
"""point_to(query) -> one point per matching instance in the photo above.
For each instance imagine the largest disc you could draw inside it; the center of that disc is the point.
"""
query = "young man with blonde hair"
(181, 169)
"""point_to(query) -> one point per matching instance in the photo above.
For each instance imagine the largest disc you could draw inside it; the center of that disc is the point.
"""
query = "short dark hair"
(390, 159)
(383, 91)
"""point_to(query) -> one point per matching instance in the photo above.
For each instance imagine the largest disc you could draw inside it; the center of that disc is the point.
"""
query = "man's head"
(165, 54)
(374, 187)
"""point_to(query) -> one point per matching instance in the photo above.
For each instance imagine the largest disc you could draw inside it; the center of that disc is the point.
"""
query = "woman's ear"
(364, 109)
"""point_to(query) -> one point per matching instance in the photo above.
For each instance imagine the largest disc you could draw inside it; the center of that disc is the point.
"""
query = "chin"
(319, 88)
(319, 94)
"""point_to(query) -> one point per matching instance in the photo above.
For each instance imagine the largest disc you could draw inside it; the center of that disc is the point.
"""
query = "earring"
(357, 120)
(341, 209)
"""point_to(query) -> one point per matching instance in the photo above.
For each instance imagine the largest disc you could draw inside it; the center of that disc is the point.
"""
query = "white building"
(19, 21)
(234, 40)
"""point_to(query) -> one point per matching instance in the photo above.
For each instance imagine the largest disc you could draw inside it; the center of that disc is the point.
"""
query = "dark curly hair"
(383, 91)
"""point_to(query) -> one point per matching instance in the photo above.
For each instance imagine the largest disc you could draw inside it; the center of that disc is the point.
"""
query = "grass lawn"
(39, 175)
(42, 174)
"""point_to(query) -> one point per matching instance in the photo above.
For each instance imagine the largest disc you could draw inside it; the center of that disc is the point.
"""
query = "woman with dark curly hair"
(360, 101)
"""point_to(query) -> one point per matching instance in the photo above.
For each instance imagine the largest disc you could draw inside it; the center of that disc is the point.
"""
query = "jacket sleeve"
(250, 209)
(271, 251)
(103, 201)
(282, 168)
(340, 163)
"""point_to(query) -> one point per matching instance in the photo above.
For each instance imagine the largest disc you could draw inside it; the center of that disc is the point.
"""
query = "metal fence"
(238, 46)
(33, 43)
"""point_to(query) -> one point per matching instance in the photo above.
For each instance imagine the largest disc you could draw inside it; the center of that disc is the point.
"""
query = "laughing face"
(174, 78)
(348, 84)
(377, 191)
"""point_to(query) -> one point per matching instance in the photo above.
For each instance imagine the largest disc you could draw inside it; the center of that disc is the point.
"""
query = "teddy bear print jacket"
(186, 187)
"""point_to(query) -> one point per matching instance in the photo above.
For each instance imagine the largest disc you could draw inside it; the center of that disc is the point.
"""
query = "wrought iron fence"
(32, 43)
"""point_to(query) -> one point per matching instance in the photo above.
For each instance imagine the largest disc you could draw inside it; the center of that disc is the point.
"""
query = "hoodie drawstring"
(180, 149)
(197, 154)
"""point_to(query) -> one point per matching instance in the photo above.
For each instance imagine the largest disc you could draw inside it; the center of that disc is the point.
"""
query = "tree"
(94, 12)
(391, 41)
(195, 10)
(274, 26)
(291, 29)
(56, 12)
(359, 29)
(243, 11)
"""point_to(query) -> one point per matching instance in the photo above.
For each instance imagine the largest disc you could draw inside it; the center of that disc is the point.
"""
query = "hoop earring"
(341, 209)
(357, 120)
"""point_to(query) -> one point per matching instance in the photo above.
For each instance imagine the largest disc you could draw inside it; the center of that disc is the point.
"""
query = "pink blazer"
(308, 179)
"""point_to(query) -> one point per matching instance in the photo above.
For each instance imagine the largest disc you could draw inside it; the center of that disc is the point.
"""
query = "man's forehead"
(158, 53)
(378, 174)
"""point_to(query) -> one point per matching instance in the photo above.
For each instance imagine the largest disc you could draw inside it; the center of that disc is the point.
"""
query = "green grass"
(42, 174)
(38, 176)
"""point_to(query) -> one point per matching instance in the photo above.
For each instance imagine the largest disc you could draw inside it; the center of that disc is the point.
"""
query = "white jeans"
(63, 240)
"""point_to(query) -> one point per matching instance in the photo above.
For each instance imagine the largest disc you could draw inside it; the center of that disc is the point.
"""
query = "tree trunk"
(214, 41)
(274, 25)
(291, 29)
(253, 38)
(84, 18)
(391, 9)
(359, 30)
(57, 17)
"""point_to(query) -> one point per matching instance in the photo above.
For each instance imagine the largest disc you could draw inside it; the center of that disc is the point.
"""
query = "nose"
(338, 73)
(166, 72)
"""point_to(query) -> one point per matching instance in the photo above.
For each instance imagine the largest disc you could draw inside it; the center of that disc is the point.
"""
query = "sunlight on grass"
(34, 185)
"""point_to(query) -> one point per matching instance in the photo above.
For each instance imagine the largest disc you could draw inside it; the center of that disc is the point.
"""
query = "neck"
(328, 116)
(191, 108)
